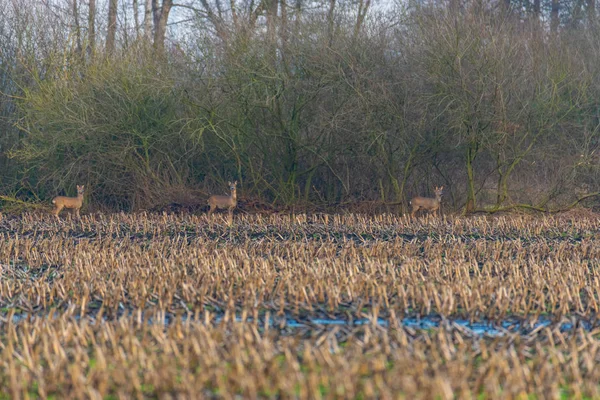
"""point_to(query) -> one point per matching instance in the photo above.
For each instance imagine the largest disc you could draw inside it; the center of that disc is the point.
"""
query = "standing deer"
(229, 202)
(75, 203)
(427, 203)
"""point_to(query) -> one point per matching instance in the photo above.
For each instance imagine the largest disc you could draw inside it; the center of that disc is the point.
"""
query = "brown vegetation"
(322, 106)
(330, 104)
(150, 304)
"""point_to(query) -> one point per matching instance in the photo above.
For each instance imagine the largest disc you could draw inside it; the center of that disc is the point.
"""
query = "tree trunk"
(554, 21)
(136, 18)
(125, 26)
(148, 19)
(297, 14)
(283, 26)
(112, 27)
(77, 28)
(330, 20)
(156, 10)
(272, 8)
(91, 46)
(363, 8)
(284, 34)
(161, 28)
(470, 157)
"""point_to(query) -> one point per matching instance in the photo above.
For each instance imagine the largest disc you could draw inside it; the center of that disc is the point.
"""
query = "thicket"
(316, 110)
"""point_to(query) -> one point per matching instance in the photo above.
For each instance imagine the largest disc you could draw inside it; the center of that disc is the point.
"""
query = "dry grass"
(82, 301)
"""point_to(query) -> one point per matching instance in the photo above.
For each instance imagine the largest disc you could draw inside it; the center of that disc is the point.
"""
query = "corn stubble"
(163, 306)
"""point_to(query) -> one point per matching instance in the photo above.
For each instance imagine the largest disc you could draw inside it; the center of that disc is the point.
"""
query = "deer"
(228, 202)
(427, 203)
(75, 203)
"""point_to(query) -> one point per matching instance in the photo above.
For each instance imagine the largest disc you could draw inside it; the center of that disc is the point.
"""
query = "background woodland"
(357, 103)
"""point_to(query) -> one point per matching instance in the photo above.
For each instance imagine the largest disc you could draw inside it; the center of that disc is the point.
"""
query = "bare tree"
(148, 19)
(136, 18)
(112, 27)
(91, 45)
(77, 27)
(161, 16)
(214, 15)
(125, 24)
(283, 28)
(155, 13)
(272, 7)
(330, 19)
(363, 8)
(554, 21)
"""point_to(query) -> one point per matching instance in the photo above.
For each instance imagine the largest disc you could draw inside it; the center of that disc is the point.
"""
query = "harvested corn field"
(161, 306)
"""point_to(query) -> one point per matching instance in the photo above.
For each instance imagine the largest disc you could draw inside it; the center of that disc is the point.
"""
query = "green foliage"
(486, 106)
(120, 128)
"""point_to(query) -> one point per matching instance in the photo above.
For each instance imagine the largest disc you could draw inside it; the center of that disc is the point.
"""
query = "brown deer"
(75, 203)
(228, 202)
(427, 203)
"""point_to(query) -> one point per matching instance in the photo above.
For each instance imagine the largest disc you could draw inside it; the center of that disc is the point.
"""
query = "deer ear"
(235, 183)
(229, 183)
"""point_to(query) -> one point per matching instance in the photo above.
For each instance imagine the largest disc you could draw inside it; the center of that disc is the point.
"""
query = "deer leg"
(414, 211)
(212, 209)
(57, 209)
(77, 213)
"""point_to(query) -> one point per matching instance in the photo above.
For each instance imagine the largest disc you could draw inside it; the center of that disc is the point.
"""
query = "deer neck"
(234, 195)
